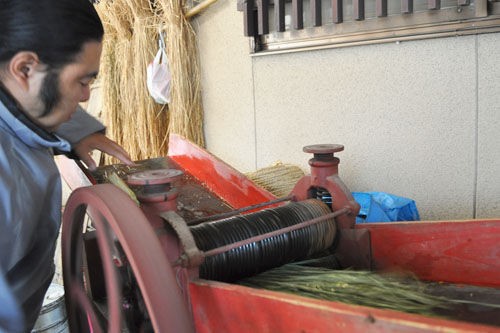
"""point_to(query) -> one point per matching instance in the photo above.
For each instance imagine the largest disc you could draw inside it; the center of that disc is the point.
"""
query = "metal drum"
(52, 318)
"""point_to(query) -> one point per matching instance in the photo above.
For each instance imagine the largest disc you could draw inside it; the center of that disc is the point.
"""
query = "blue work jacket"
(30, 213)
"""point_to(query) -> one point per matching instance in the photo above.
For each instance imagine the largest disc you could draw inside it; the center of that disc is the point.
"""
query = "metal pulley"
(154, 188)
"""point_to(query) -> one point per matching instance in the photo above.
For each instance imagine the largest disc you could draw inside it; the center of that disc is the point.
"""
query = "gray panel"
(412, 116)
(488, 180)
(227, 86)
(405, 113)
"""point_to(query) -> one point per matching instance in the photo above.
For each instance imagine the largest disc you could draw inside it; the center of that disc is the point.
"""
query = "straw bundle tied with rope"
(133, 118)
(279, 178)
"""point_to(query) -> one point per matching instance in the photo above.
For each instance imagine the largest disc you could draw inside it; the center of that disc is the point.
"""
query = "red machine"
(152, 267)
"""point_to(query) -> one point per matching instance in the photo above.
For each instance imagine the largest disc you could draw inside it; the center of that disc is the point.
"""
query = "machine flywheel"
(120, 228)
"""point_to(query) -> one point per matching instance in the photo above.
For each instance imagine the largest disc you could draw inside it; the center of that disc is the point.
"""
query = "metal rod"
(381, 8)
(258, 238)
(298, 14)
(434, 4)
(406, 6)
(383, 36)
(238, 211)
(199, 8)
(279, 13)
(316, 13)
(263, 17)
(337, 11)
(358, 9)
(249, 17)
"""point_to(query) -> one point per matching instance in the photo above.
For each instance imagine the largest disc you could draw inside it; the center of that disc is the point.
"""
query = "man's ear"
(22, 67)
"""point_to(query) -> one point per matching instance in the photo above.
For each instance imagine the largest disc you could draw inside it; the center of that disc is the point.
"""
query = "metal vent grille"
(291, 25)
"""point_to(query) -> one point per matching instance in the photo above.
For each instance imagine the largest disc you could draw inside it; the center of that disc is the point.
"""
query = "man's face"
(61, 90)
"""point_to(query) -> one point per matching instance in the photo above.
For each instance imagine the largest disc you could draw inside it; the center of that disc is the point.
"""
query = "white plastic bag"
(158, 75)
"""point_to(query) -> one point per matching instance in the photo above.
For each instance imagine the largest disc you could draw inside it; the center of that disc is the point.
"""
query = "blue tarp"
(384, 207)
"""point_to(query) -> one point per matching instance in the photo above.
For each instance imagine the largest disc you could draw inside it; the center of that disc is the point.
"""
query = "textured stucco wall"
(418, 119)
(488, 129)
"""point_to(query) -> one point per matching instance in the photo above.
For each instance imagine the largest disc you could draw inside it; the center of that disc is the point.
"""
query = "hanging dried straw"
(186, 106)
(133, 118)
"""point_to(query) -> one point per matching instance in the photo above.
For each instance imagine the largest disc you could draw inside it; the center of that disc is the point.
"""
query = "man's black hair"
(54, 29)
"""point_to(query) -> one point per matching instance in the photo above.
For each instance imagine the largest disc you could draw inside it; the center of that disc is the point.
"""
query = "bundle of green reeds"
(349, 286)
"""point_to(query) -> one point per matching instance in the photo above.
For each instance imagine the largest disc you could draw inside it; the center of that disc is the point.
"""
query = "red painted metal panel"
(453, 251)
(219, 307)
(73, 172)
(226, 182)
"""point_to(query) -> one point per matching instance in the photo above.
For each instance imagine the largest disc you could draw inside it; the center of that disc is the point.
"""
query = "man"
(49, 54)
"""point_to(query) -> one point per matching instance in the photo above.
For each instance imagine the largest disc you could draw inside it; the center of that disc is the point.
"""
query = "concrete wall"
(419, 119)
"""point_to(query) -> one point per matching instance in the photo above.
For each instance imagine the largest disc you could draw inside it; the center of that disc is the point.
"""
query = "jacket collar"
(20, 125)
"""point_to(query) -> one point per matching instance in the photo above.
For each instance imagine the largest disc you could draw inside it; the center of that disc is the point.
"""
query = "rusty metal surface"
(471, 310)
(194, 200)
(208, 187)
(354, 249)
(229, 184)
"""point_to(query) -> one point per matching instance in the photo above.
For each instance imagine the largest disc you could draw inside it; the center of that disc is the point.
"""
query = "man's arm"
(85, 133)
(79, 126)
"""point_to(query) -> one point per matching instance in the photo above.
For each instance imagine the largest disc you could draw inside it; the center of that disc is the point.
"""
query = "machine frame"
(463, 252)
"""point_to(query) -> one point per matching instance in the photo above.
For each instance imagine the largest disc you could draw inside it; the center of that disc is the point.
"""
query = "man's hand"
(100, 142)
